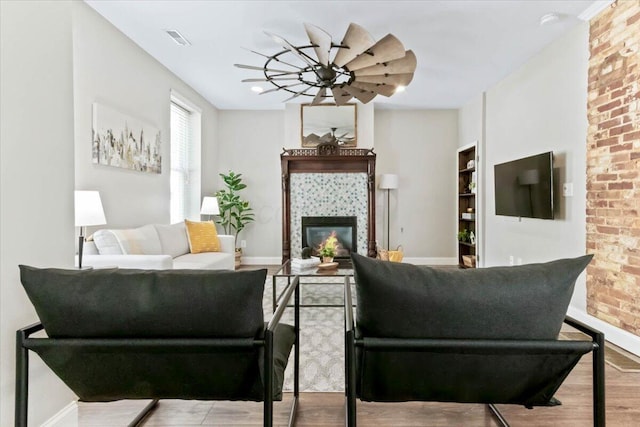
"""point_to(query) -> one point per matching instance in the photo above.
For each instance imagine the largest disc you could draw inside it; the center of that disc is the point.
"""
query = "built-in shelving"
(467, 195)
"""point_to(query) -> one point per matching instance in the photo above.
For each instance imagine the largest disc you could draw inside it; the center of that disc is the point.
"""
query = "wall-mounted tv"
(524, 187)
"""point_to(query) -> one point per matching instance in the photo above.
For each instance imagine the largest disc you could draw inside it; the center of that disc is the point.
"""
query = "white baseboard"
(261, 260)
(431, 261)
(66, 417)
(257, 260)
(617, 336)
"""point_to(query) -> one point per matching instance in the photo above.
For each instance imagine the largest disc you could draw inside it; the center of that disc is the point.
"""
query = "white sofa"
(154, 247)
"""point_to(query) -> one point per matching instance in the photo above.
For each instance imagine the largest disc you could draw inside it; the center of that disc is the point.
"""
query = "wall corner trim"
(593, 10)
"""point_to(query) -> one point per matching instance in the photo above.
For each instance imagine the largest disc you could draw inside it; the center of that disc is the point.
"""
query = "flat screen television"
(524, 187)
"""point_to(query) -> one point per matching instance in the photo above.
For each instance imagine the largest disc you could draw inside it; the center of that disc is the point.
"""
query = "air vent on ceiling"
(178, 38)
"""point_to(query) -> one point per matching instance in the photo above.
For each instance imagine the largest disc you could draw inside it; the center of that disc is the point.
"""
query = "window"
(185, 162)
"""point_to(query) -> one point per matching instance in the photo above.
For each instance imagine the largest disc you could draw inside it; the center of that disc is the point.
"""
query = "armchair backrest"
(482, 336)
(407, 301)
(122, 303)
(126, 334)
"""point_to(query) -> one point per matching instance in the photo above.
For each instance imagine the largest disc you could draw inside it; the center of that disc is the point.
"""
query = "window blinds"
(181, 142)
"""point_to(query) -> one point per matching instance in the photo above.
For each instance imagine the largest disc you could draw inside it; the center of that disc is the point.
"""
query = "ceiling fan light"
(400, 89)
(362, 68)
(549, 18)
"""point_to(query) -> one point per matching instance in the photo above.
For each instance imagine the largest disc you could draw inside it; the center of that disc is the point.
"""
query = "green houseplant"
(235, 213)
(464, 236)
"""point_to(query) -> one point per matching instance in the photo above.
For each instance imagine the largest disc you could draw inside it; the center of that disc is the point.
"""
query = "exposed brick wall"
(613, 166)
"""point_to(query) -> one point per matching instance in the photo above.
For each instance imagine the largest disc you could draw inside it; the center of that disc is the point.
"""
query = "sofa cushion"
(203, 236)
(146, 303)
(407, 301)
(205, 261)
(107, 242)
(139, 241)
(173, 239)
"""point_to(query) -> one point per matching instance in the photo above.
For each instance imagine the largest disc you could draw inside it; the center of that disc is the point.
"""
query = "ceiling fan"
(358, 67)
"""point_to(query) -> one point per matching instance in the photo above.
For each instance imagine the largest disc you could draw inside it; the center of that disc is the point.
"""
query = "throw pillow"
(173, 239)
(139, 241)
(107, 243)
(203, 236)
(408, 301)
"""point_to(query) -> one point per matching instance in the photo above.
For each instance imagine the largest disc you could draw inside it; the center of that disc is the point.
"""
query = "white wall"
(36, 179)
(541, 107)
(111, 69)
(250, 144)
(420, 147)
(471, 121)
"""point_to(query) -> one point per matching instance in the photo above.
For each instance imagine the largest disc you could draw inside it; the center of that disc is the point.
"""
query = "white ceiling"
(462, 47)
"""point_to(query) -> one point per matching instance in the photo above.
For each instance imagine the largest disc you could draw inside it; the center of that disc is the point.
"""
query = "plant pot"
(326, 259)
(238, 258)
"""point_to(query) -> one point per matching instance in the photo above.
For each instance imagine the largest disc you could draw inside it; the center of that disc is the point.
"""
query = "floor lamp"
(88, 211)
(388, 182)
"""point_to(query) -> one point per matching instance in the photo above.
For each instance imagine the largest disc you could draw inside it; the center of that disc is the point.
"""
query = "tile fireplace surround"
(328, 194)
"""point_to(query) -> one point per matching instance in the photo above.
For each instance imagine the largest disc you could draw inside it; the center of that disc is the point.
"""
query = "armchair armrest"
(146, 262)
(227, 243)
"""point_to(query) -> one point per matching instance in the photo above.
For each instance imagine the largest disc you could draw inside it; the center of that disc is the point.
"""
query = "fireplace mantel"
(328, 158)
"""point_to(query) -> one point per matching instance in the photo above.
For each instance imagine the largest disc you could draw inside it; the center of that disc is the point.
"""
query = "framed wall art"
(123, 141)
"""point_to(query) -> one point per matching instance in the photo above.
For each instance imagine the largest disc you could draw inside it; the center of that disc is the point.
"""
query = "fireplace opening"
(316, 230)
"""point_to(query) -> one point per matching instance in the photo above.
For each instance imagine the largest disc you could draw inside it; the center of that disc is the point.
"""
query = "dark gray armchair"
(468, 336)
(142, 334)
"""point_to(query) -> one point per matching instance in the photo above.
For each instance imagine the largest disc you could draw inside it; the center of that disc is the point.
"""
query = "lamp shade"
(88, 207)
(210, 206)
(388, 181)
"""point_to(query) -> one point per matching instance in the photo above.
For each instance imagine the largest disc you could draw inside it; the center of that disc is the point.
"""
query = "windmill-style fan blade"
(383, 89)
(356, 40)
(275, 59)
(340, 95)
(291, 48)
(390, 79)
(386, 49)
(407, 64)
(273, 70)
(363, 96)
(319, 96)
(279, 88)
(297, 94)
(321, 41)
(269, 79)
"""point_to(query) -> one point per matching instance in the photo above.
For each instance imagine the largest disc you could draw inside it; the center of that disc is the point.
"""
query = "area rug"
(321, 333)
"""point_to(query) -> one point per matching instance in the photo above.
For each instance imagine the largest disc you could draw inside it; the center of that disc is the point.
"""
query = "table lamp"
(210, 206)
(88, 211)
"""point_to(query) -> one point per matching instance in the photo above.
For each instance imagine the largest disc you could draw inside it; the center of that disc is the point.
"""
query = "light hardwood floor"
(327, 409)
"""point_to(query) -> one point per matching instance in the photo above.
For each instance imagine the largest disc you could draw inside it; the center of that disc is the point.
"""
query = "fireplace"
(306, 176)
(316, 229)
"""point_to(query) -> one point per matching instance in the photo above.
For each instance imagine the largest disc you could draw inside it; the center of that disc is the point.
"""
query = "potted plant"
(464, 236)
(328, 249)
(235, 213)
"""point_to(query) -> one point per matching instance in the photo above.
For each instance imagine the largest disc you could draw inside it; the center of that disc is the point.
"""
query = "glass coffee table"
(289, 273)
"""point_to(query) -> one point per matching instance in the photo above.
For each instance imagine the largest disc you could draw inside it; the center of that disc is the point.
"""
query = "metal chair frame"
(24, 342)
(455, 345)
